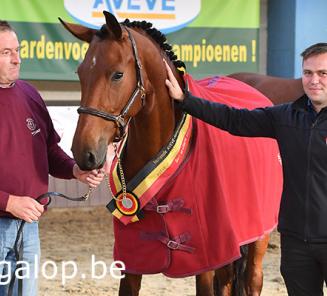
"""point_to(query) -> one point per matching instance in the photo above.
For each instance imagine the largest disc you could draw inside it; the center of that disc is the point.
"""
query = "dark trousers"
(303, 266)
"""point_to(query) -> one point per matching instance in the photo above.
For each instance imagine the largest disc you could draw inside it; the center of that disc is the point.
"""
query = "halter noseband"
(120, 119)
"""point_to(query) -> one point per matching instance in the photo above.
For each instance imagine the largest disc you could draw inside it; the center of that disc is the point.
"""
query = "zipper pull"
(314, 123)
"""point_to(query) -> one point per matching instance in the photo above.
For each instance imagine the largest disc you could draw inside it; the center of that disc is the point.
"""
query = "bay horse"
(278, 90)
(123, 92)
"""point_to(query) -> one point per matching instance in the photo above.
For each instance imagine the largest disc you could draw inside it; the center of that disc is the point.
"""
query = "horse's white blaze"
(94, 62)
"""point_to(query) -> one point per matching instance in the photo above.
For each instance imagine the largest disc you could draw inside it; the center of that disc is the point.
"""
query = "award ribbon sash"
(151, 178)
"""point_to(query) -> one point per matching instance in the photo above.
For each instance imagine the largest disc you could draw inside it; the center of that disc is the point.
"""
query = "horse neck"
(154, 125)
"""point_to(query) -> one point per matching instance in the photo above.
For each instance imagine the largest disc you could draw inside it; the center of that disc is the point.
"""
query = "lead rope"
(18, 246)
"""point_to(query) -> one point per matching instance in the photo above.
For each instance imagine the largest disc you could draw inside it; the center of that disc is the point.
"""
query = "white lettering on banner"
(166, 15)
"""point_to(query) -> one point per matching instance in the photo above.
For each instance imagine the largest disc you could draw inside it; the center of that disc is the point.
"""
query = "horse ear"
(113, 24)
(81, 32)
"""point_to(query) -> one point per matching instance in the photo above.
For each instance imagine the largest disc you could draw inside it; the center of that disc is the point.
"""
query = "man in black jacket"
(300, 129)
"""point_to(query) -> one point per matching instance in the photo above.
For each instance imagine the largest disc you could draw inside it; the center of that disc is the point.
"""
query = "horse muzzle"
(90, 158)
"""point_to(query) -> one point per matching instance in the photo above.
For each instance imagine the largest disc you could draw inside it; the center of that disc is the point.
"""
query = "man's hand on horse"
(174, 89)
(92, 178)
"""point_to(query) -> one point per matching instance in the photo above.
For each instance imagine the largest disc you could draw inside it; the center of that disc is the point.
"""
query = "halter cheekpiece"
(139, 89)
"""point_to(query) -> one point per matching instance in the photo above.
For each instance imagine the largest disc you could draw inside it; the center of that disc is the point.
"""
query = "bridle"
(139, 89)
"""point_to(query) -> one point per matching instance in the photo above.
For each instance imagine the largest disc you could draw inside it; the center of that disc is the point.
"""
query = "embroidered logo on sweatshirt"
(31, 125)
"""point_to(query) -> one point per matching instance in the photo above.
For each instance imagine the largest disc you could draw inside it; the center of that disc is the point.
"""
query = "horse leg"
(223, 281)
(254, 274)
(204, 284)
(130, 285)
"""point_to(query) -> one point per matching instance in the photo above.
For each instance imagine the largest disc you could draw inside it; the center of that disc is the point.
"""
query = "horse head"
(122, 78)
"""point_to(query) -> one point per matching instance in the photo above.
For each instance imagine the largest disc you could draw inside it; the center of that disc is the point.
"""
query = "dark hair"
(313, 50)
(155, 34)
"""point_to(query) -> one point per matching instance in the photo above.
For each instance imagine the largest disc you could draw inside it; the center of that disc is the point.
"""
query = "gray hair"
(4, 26)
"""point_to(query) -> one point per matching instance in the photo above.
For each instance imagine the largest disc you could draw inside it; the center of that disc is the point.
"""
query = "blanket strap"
(175, 205)
(176, 243)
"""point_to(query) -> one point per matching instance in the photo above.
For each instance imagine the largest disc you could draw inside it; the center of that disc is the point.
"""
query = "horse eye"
(117, 76)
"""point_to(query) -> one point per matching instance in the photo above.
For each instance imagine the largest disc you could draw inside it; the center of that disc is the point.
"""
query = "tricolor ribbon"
(152, 177)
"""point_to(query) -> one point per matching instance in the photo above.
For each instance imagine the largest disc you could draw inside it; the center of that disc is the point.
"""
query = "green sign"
(211, 37)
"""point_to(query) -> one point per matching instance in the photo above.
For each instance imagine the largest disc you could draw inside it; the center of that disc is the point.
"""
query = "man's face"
(314, 79)
(9, 58)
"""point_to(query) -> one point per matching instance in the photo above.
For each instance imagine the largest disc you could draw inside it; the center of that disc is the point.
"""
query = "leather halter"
(120, 119)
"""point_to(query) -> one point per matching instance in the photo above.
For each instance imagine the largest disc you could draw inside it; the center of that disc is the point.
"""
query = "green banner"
(210, 51)
(211, 37)
(48, 52)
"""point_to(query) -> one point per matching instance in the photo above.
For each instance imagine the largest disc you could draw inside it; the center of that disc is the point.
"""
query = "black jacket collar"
(301, 104)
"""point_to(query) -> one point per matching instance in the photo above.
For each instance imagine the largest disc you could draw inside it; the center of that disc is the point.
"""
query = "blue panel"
(293, 25)
(281, 43)
(310, 27)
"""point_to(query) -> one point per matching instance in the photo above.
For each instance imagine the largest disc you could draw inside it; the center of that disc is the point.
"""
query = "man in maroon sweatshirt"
(29, 151)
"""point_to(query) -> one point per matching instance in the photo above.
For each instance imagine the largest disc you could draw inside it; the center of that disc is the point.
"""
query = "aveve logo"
(166, 15)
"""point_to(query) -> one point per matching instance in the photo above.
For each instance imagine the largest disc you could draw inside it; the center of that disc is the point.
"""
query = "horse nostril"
(87, 162)
(91, 160)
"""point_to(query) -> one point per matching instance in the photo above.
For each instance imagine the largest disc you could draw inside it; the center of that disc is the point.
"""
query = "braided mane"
(155, 34)
(158, 37)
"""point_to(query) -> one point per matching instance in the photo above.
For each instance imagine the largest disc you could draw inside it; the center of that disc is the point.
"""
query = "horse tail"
(239, 282)
(231, 279)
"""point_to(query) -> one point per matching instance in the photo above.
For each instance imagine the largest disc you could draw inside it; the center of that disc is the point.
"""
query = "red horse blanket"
(225, 194)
